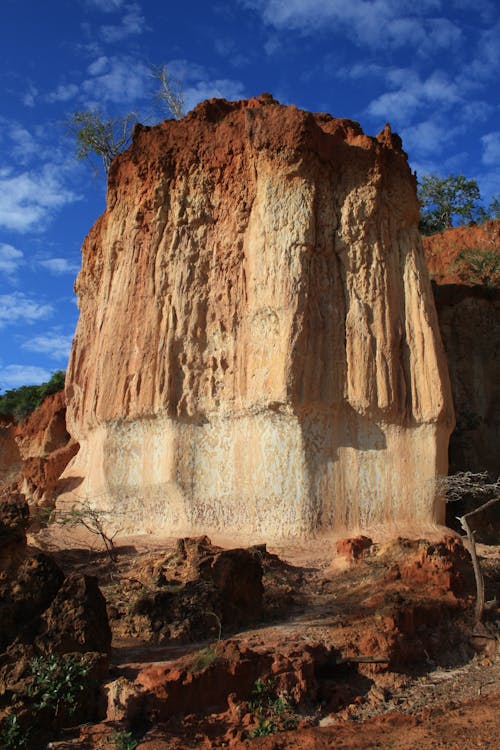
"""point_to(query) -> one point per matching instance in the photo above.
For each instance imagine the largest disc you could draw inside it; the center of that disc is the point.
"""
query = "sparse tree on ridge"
(95, 135)
(169, 95)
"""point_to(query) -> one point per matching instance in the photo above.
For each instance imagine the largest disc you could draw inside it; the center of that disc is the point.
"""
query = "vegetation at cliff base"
(19, 402)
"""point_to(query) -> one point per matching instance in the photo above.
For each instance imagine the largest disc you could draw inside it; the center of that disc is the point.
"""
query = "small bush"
(58, 681)
(203, 659)
(274, 711)
(123, 740)
(12, 735)
(479, 266)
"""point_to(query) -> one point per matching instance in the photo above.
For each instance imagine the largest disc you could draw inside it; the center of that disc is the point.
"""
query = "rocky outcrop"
(34, 453)
(257, 347)
(10, 456)
(469, 322)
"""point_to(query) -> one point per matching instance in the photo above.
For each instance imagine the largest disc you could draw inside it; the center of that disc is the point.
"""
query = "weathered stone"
(257, 347)
(14, 520)
(76, 619)
(203, 590)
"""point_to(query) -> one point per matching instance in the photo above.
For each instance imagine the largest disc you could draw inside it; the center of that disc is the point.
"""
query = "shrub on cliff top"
(19, 402)
(476, 265)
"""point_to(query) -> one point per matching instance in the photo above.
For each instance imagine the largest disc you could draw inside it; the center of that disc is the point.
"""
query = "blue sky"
(429, 67)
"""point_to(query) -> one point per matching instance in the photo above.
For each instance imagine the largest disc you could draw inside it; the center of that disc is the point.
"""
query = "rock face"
(469, 322)
(10, 457)
(34, 453)
(258, 347)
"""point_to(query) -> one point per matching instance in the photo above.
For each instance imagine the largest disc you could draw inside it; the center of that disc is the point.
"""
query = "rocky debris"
(354, 547)
(359, 643)
(215, 678)
(76, 618)
(42, 613)
(202, 589)
(271, 262)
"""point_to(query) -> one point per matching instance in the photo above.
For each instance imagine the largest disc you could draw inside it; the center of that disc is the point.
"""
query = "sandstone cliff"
(258, 347)
(469, 322)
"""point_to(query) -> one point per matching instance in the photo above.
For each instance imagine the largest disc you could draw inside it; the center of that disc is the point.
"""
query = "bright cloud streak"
(54, 345)
(10, 259)
(28, 199)
(20, 308)
(59, 265)
(13, 376)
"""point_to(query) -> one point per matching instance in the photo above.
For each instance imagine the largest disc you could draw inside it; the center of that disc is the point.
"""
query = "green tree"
(19, 402)
(96, 136)
(444, 199)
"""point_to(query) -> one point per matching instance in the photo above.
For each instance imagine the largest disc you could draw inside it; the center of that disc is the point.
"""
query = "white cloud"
(10, 259)
(411, 94)
(59, 265)
(491, 148)
(63, 93)
(99, 66)
(107, 6)
(425, 138)
(132, 23)
(376, 22)
(55, 345)
(117, 80)
(28, 199)
(29, 96)
(13, 376)
(19, 307)
(23, 143)
(221, 89)
(443, 33)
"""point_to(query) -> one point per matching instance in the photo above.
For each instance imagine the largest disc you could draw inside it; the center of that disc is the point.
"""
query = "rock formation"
(469, 322)
(258, 348)
(34, 453)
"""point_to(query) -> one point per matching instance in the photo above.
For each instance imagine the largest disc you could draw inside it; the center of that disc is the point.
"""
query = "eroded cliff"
(258, 347)
(468, 304)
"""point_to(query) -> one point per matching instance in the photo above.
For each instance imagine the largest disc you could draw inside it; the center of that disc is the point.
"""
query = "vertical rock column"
(257, 349)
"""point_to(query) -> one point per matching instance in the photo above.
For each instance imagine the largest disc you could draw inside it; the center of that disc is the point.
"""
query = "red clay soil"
(374, 652)
(441, 249)
(471, 725)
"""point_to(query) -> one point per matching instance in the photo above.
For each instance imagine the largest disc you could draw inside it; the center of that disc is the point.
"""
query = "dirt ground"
(380, 651)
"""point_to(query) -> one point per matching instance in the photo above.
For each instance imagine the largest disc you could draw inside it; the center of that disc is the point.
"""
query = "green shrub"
(12, 735)
(274, 711)
(19, 402)
(123, 740)
(58, 681)
(478, 265)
